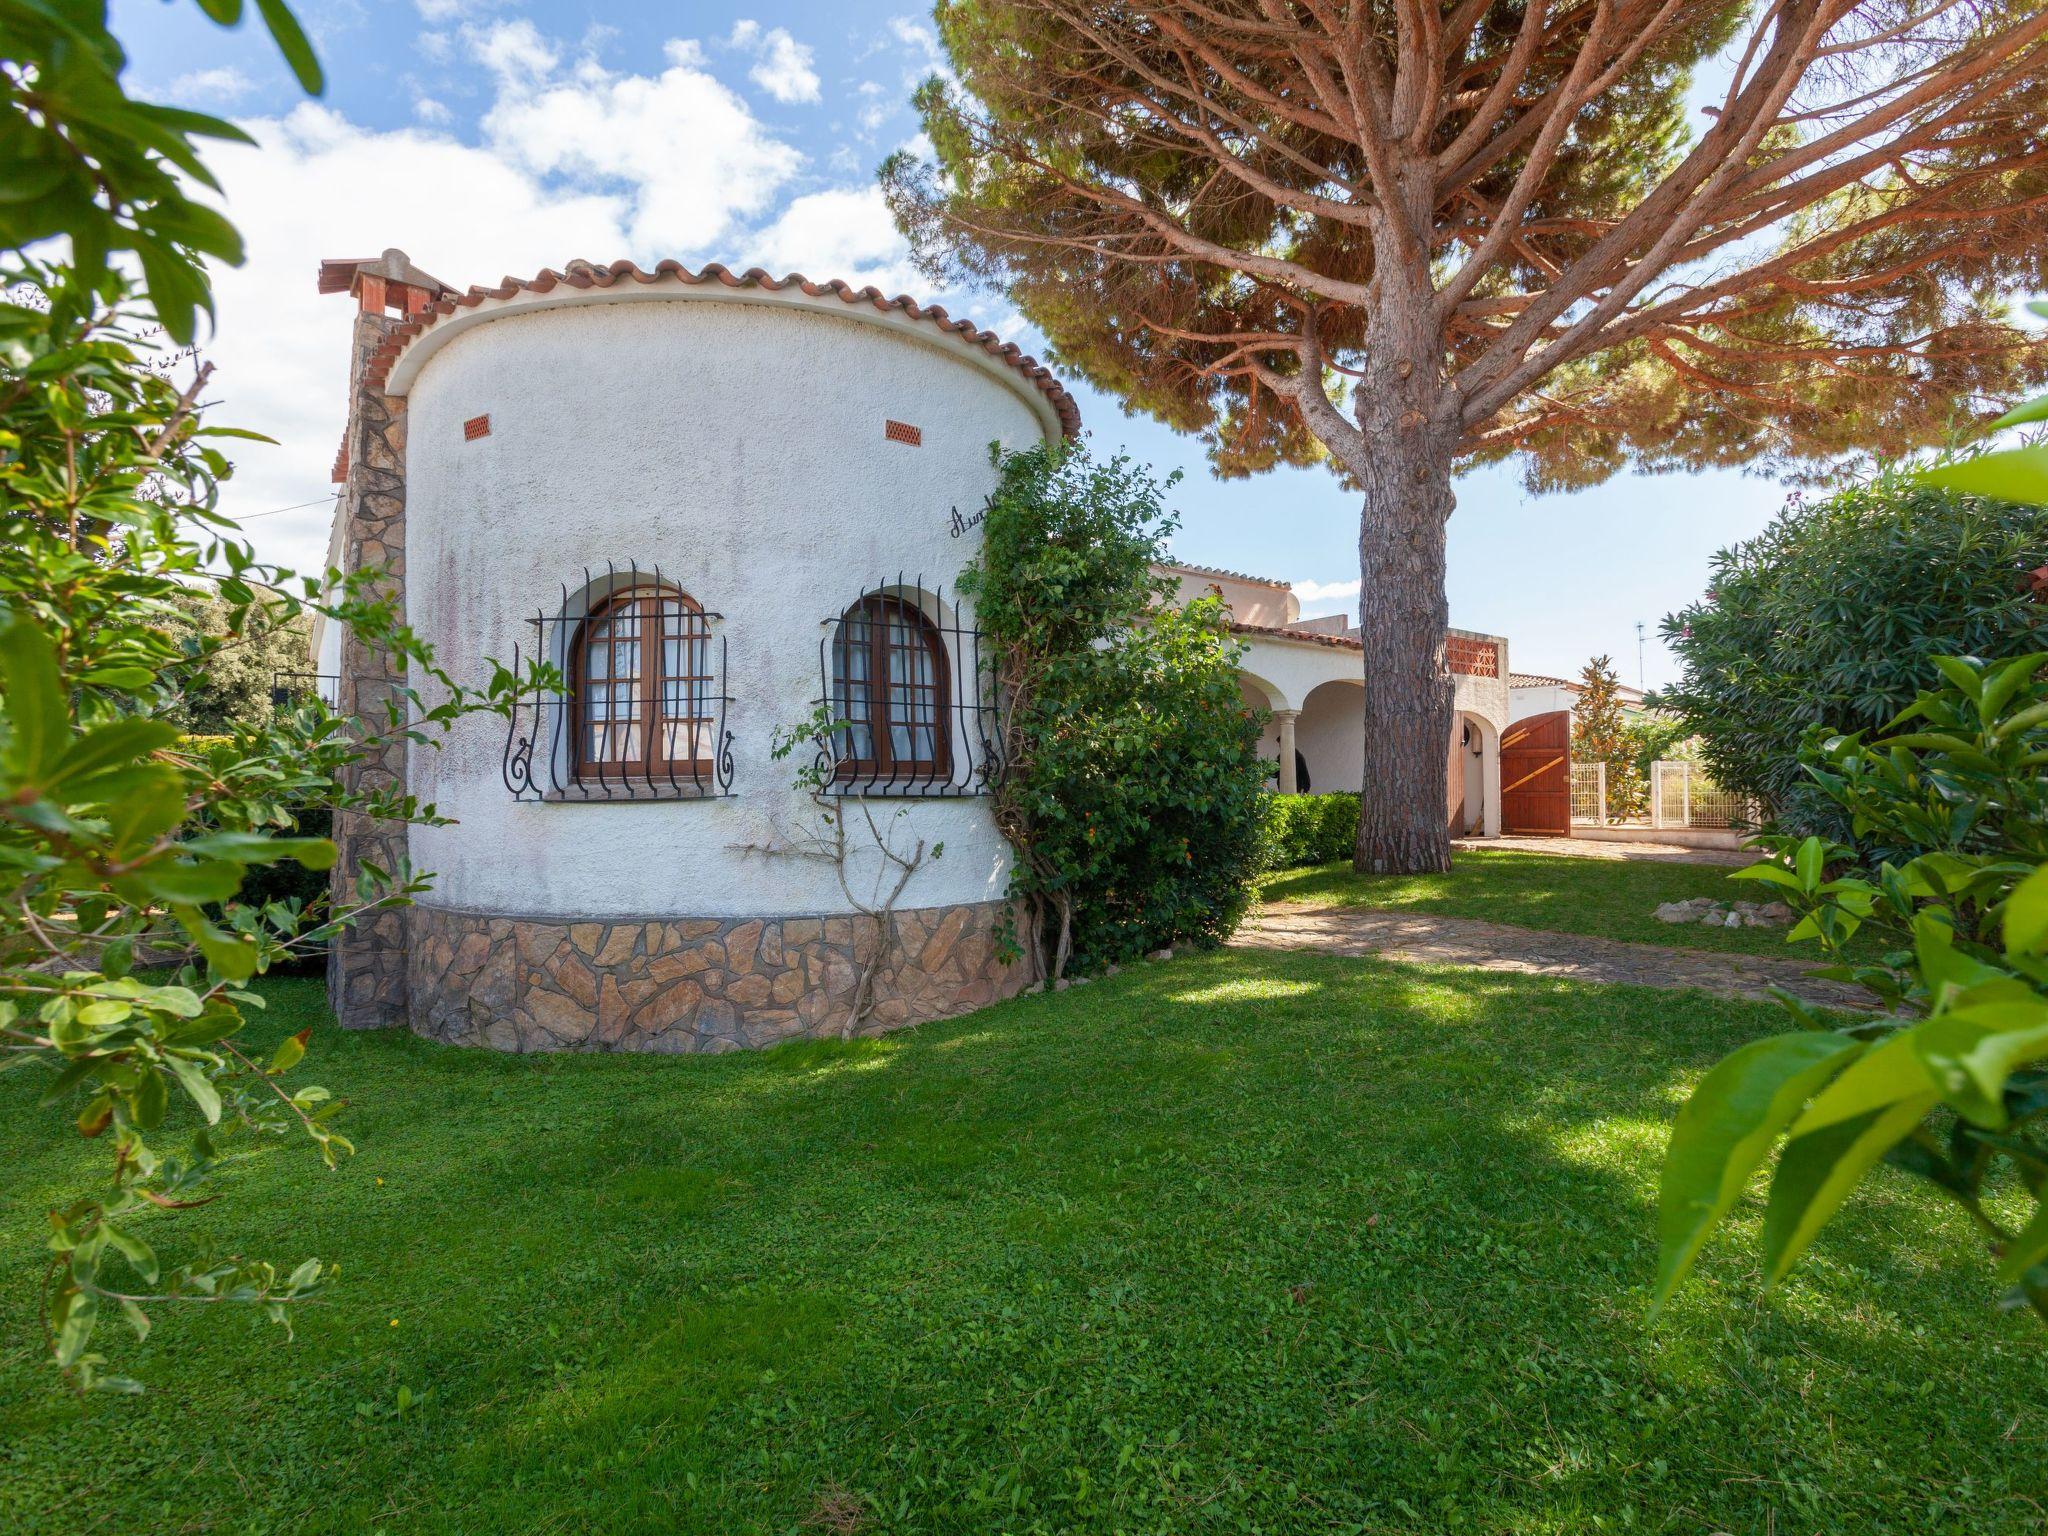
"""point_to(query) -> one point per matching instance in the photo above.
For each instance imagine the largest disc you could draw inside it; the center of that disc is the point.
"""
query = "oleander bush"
(1831, 620)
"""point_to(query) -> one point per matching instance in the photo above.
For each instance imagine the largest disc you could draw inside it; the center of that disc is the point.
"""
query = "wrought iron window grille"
(643, 713)
(908, 690)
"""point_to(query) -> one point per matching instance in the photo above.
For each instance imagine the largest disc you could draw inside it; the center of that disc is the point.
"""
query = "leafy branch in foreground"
(1947, 1084)
(124, 844)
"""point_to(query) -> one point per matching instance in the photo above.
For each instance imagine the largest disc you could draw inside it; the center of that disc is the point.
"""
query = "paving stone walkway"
(1426, 939)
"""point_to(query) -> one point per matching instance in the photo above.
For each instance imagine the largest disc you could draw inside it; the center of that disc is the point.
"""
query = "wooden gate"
(1536, 775)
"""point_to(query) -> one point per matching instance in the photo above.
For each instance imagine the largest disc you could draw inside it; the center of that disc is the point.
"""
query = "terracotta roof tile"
(581, 274)
(1335, 642)
(1217, 570)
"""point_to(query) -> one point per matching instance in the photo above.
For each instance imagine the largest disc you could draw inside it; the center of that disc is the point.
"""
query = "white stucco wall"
(1326, 683)
(1250, 601)
(739, 446)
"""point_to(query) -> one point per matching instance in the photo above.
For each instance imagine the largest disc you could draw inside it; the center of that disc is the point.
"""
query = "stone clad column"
(1286, 719)
(366, 964)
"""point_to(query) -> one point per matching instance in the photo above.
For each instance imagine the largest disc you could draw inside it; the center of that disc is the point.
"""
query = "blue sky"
(487, 139)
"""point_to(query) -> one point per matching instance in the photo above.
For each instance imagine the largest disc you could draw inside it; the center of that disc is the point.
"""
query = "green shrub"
(1832, 618)
(1310, 829)
(1946, 1084)
(1132, 784)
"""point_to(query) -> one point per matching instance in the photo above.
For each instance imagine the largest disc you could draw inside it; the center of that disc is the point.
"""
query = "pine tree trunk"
(1404, 825)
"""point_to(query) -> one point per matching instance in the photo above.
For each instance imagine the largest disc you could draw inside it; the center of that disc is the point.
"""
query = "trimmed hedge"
(1310, 829)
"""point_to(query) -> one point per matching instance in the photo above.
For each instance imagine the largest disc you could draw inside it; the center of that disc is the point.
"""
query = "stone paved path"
(1427, 939)
(1594, 848)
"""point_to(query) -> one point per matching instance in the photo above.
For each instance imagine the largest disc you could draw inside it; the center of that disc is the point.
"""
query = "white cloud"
(876, 108)
(845, 232)
(1326, 596)
(916, 35)
(785, 69)
(513, 51)
(222, 84)
(691, 156)
(577, 160)
(281, 349)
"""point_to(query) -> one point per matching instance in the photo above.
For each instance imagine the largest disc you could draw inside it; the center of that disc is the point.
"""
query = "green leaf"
(1883, 1075)
(150, 808)
(174, 881)
(1966, 679)
(291, 42)
(1724, 1132)
(289, 1054)
(315, 853)
(193, 1075)
(1817, 1170)
(2012, 474)
(2026, 915)
(1810, 861)
(38, 717)
(1969, 1052)
(2007, 680)
(140, 1256)
(2028, 1249)
(149, 1100)
(2033, 410)
(121, 741)
(1776, 874)
(76, 1312)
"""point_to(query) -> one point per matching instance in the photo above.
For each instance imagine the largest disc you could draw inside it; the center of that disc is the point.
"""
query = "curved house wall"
(741, 448)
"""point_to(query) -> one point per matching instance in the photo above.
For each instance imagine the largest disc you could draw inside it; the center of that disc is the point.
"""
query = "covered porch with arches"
(1312, 690)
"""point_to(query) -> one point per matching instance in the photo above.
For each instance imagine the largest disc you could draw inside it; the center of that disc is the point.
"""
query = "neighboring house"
(1310, 673)
(716, 502)
(1531, 693)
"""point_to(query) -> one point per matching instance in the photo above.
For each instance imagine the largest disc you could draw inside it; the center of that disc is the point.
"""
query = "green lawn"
(1606, 898)
(1244, 1242)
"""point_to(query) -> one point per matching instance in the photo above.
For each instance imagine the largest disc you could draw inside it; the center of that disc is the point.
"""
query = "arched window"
(642, 695)
(890, 686)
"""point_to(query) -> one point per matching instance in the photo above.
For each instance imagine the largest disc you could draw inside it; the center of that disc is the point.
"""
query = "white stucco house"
(1533, 693)
(716, 502)
(1310, 674)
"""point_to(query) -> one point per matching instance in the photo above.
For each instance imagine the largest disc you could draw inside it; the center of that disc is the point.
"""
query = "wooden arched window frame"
(891, 683)
(642, 694)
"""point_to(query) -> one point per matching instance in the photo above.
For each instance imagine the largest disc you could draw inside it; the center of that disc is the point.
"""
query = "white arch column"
(1284, 719)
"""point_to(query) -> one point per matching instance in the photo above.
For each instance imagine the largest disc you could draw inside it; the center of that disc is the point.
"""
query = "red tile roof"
(1217, 570)
(582, 274)
(1336, 642)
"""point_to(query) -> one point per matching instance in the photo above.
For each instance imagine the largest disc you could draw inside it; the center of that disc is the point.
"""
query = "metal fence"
(1681, 796)
(1589, 794)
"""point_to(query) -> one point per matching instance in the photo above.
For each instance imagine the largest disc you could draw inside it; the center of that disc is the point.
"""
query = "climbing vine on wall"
(1131, 790)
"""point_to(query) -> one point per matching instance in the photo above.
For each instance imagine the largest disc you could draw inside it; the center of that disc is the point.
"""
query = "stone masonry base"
(691, 984)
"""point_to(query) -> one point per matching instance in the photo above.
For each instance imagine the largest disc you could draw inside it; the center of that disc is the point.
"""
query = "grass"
(1603, 898)
(1245, 1242)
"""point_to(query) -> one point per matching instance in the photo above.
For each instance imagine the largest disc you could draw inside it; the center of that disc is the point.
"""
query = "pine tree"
(1404, 238)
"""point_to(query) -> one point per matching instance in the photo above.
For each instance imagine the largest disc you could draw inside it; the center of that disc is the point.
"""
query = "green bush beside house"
(1310, 829)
